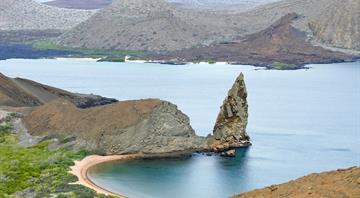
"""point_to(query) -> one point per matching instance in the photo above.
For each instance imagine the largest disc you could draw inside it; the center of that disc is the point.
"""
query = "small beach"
(81, 168)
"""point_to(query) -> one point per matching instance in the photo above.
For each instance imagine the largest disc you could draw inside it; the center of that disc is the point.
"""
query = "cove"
(300, 121)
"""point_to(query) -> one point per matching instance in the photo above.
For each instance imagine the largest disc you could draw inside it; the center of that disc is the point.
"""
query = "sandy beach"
(81, 168)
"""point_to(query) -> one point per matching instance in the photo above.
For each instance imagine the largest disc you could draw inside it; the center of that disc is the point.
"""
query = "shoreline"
(257, 66)
(81, 168)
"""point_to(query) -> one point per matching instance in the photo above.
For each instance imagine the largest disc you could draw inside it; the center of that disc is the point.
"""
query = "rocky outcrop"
(143, 126)
(19, 92)
(230, 126)
(334, 184)
(229, 153)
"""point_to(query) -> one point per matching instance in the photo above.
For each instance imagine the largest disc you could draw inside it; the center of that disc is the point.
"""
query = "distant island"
(280, 35)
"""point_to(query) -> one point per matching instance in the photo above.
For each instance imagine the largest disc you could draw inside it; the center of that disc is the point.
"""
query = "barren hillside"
(340, 183)
(149, 25)
(280, 42)
(332, 22)
(160, 26)
(31, 15)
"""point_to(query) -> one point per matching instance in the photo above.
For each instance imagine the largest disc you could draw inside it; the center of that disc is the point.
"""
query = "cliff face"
(143, 126)
(230, 126)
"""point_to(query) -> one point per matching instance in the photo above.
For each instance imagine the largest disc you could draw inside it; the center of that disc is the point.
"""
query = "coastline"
(81, 168)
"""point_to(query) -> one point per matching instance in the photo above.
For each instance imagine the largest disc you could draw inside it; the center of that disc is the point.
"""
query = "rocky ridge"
(18, 92)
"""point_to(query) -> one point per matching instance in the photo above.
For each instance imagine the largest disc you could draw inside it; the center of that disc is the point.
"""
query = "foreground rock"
(143, 126)
(340, 183)
(19, 92)
(230, 126)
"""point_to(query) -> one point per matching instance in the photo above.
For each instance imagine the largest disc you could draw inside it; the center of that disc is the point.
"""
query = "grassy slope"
(92, 53)
(37, 170)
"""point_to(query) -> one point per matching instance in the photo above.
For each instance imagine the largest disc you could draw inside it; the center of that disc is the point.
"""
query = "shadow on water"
(237, 169)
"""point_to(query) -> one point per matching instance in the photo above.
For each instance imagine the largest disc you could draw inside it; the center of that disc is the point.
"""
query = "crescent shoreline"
(81, 168)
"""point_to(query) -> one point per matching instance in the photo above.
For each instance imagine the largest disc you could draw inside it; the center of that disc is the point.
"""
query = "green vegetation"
(112, 59)
(37, 171)
(283, 66)
(204, 61)
(111, 55)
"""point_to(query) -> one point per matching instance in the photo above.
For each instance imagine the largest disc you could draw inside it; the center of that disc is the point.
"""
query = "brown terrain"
(335, 184)
(280, 42)
(144, 126)
(18, 92)
(78, 4)
(96, 123)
